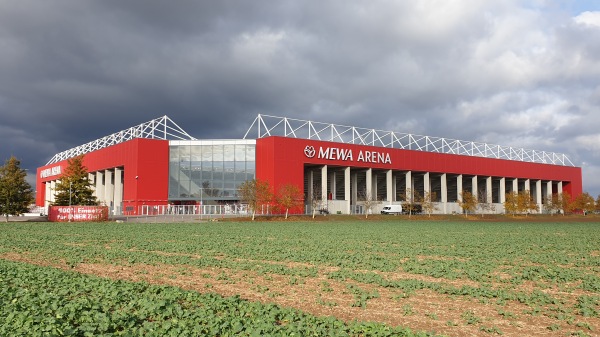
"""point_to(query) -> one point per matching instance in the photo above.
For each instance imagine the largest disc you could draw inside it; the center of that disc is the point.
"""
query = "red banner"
(77, 213)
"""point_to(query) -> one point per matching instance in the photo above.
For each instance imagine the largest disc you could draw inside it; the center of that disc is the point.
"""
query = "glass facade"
(210, 169)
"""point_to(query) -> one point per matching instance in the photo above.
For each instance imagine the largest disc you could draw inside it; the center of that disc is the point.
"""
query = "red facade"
(145, 164)
(281, 160)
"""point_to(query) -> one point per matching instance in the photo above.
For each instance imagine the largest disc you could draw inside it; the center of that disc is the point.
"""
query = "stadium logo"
(309, 151)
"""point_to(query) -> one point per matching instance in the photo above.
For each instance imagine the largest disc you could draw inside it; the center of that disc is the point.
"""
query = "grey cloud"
(75, 71)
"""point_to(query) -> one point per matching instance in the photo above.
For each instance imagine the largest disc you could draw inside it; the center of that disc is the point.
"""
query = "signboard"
(78, 213)
(335, 153)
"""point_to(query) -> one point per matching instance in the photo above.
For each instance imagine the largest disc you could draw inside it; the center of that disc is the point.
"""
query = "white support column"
(409, 185)
(528, 185)
(444, 191)
(324, 186)
(515, 185)
(100, 186)
(488, 190)
(474, 187)
(538, 194)
(389, 186)
(108, 187)
(332, 184)
(459, 189)
(347, 188)
(560, 187)
(549, 191)
(369, 184)
(118, 190)
(426, 184)
(48, 195)
(502, 190)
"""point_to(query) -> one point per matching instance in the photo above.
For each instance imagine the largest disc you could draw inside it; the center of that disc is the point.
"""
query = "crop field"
(301, 278)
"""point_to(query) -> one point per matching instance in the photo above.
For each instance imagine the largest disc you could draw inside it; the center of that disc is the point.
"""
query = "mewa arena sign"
(336, 153)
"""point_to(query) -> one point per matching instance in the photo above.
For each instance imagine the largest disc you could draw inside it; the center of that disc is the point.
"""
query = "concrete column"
(108, 187)
(92, 180)
(549, 191)
(100, 186)
(559, 186)
(53, 193)
(515, 185)
(538, 194)
(444, 191)
(118, 189)
(389, 186)
(459, 189)
(48, 195)
(369, 184)
(528, 185)
(502, 190)
(426, 184)
(488, 190)
(474, 187)
(409, 185)
(347, 188)
(324, 185)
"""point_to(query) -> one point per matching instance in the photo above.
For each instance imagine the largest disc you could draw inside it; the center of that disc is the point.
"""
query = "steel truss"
(159, 128)
(265, 126)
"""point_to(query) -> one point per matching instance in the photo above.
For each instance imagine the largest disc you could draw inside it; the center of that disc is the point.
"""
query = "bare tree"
(484, 203)
(369, 202)
(316, 199)
(427, 202)
(411, 199)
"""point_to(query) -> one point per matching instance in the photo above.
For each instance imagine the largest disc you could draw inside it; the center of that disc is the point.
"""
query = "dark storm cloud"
(497, 71)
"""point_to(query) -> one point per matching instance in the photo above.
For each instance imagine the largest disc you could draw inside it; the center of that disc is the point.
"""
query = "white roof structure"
(159, 128)
(265, 126)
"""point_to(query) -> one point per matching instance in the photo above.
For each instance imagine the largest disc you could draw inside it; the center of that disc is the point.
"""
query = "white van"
(392, 209)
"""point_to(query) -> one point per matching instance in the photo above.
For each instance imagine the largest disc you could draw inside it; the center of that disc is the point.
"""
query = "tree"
(369, 202)
(553, 204)
(289, 196)
(316, 200)
(468, 202)
(484, 204)
(411, 199)
(74, 187)
(598, 203)
(525, 202)
(584, 202)
(427, 202)
(566, 204)
(15, 193)
(255, 193)
(511, 205)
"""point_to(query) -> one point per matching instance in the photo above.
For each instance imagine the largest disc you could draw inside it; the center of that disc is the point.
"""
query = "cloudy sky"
(523, 73)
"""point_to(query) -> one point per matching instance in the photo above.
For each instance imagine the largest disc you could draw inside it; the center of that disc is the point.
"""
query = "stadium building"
(154, 166)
